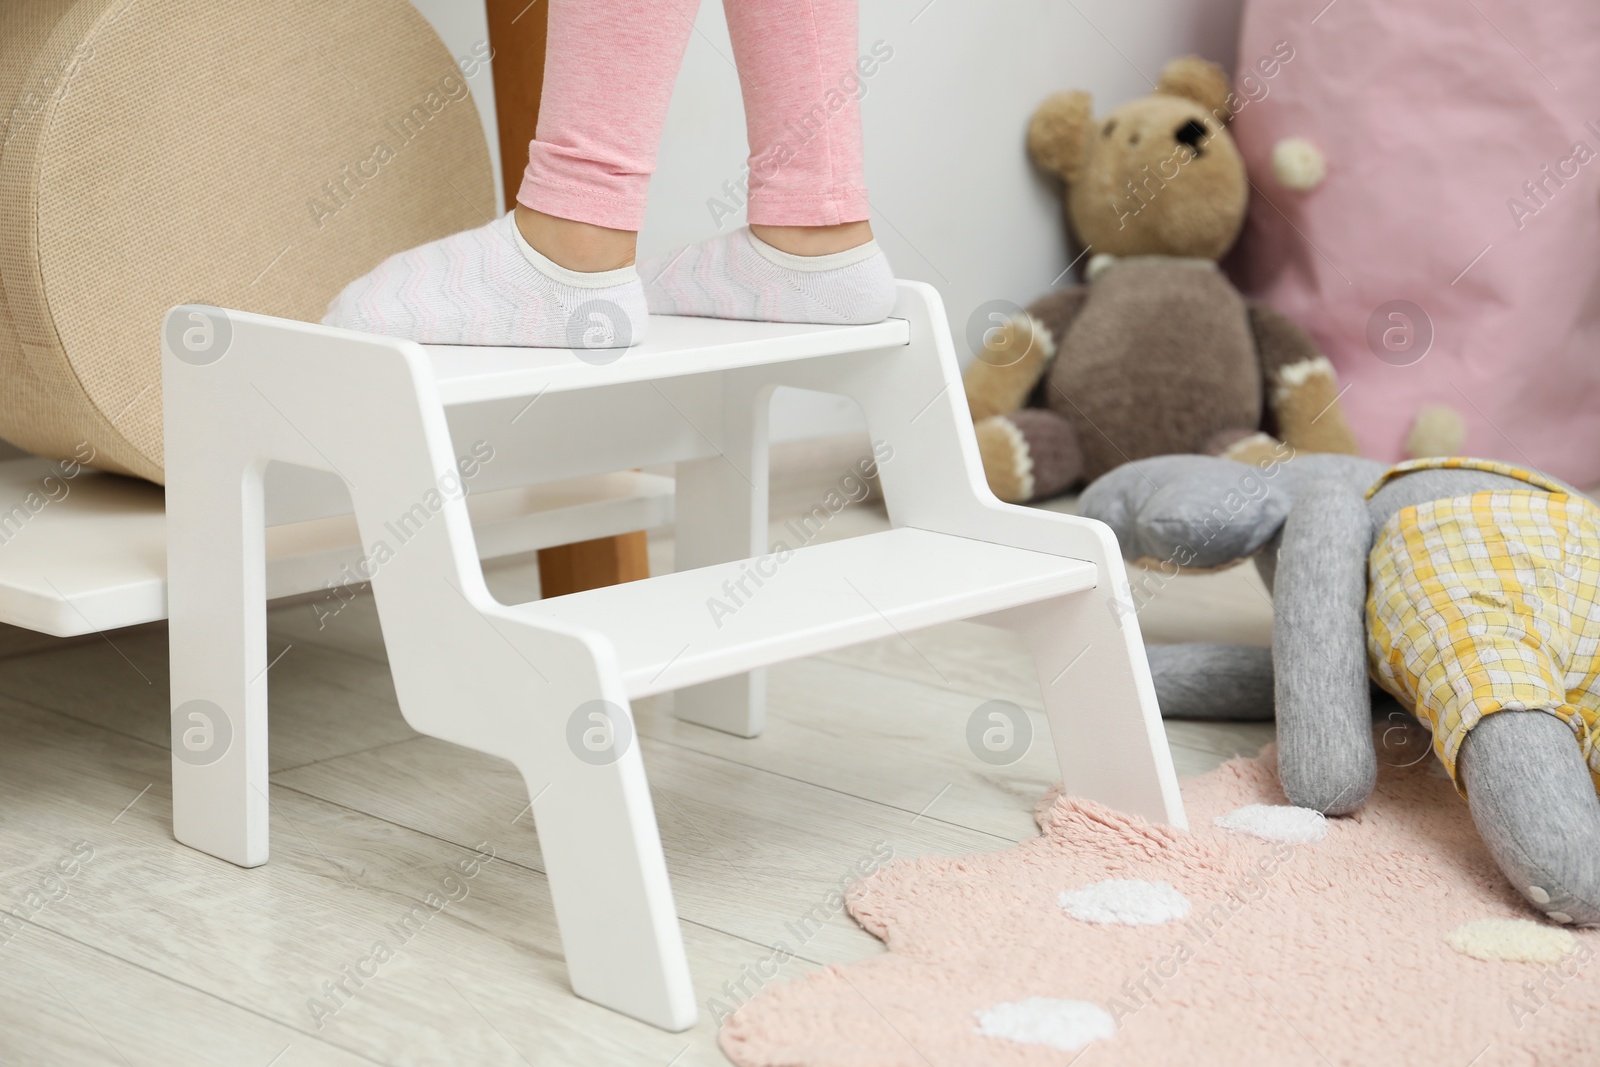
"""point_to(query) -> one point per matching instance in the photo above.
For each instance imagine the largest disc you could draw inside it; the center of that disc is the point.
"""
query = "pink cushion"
(1431, 122)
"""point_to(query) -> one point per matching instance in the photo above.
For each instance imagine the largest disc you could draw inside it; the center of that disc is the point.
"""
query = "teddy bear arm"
(1302, 390)
(1326, 758)
(1029, 455)
(1016, 353)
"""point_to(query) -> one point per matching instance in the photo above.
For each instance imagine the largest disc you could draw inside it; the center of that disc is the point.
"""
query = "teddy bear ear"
(1058, 131)
(1199, 80)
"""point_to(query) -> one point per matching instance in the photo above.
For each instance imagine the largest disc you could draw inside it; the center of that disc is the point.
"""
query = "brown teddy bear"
(1158, 353)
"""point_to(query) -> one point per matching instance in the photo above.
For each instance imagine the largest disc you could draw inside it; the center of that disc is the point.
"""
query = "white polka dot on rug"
(1517, 940)
(1067, 1025)
(1129, 901)
(1276, 822)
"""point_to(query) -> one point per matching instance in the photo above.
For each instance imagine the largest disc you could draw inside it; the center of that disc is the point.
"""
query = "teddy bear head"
(1157, 176)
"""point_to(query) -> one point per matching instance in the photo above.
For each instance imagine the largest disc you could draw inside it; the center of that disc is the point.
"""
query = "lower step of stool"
(695, 626)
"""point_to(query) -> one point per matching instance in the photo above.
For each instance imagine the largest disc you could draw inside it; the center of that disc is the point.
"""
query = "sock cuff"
(832, 261)
(600, 279)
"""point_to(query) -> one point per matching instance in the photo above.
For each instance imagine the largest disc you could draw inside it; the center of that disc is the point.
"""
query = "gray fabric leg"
(1326, 758)
(1212, 681)
(1535, 805)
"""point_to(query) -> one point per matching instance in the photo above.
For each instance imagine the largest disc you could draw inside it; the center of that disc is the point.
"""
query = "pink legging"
(609, 70)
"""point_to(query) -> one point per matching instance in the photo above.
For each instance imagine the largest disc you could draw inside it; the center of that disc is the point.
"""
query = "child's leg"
(808, 255)
(609, 70)
(1535, 805)
(558, 271)
(797, 68)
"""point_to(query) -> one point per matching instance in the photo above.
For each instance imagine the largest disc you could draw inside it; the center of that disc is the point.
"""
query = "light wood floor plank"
(324, 703)
(750, 853)
(899, 743)
(481, 981)
(63, 1002)
(903, 743)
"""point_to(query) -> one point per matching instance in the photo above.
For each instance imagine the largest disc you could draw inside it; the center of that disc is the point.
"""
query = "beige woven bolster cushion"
(242, 153)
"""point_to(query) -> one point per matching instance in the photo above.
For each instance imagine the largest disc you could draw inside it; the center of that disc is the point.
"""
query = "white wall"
(956, 203)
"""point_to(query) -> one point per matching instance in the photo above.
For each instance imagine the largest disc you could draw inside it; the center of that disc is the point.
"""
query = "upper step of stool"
(675, 346)
(694, 626)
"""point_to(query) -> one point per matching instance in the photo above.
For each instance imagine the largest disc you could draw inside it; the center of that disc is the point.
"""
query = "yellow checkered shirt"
(1486, 603)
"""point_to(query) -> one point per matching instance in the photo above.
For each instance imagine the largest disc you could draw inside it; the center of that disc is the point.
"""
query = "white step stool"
(547, 685)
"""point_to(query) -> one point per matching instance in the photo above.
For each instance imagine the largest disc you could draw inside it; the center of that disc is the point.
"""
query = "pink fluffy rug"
(1331, 952)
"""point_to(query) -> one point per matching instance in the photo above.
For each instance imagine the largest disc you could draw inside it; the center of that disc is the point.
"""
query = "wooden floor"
(147, 952)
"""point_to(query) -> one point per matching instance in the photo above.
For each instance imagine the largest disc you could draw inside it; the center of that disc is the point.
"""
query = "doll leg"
(1212, 681)
(1535, 805)
(808, 254)
(1326, 758)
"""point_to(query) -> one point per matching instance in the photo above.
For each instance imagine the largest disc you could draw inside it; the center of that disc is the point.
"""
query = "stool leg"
(216, 584)
(1104, 722)
(608, 881)
(735, 705)
(721, 509)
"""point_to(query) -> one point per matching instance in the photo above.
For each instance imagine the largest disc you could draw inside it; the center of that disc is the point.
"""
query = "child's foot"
(488, 286)
(740, 276)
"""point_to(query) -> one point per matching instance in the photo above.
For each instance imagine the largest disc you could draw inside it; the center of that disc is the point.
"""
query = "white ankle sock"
(740, 276)
(488, 286)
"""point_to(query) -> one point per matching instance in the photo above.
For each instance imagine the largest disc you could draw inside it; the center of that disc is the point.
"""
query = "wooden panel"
(591, 564)
(517, 35)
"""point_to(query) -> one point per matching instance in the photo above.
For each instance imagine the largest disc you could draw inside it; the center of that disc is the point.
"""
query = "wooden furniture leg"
(590, 564)
(517, 38)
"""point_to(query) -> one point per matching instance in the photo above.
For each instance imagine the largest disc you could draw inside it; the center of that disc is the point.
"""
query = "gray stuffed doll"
(1468, 590)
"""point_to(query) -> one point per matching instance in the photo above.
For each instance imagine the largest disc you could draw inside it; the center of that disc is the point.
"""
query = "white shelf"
(95, 559)
(822, 597)
(675, 346)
